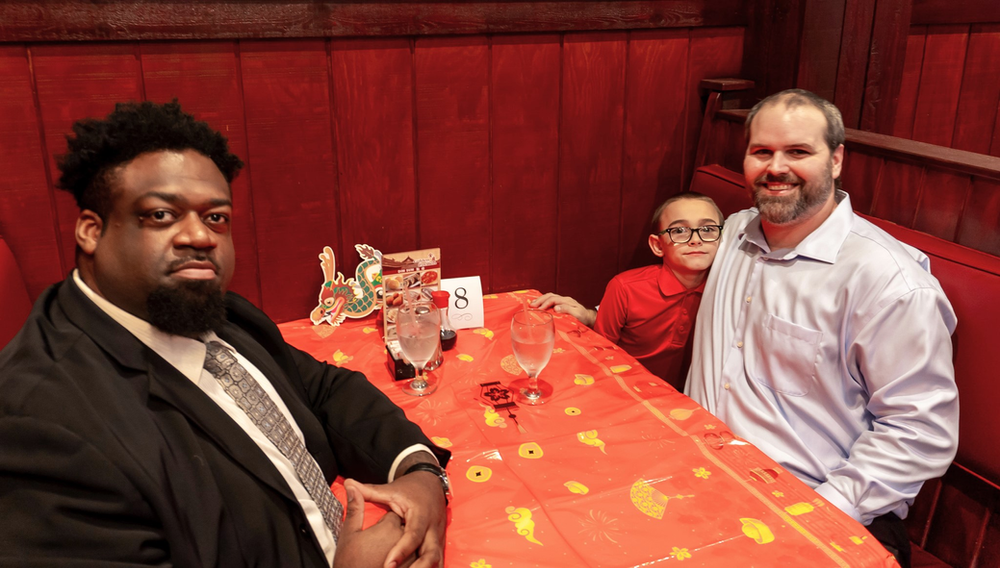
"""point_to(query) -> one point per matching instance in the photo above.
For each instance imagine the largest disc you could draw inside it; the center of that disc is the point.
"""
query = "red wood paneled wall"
(531, 160)
(950, 93)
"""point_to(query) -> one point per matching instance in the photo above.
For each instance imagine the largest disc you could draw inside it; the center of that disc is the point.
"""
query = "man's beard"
(189, 309)
(782, 210)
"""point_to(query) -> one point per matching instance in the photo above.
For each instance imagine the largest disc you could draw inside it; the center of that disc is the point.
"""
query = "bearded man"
(821, 339)
(150, 418)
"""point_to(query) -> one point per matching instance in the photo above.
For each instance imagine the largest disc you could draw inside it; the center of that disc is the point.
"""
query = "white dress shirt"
(833, 357)
(188, 356)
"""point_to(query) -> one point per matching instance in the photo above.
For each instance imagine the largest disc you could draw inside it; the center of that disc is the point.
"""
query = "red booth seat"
(15, 304)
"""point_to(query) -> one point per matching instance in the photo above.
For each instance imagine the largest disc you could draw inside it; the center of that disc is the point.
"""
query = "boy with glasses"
(649, 311)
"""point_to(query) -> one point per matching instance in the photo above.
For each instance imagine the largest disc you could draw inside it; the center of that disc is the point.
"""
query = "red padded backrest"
(15, 304)
(724, 186)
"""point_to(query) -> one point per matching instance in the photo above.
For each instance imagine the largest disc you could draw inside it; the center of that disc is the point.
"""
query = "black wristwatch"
(436, 470)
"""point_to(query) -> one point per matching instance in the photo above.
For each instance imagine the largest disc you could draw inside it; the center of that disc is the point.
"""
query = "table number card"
(465, 305)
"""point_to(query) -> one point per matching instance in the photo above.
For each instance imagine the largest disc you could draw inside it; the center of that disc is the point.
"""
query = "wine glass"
(418, 328)
(532, 334)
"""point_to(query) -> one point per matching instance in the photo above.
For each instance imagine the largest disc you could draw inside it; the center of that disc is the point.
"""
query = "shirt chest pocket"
(785, 356)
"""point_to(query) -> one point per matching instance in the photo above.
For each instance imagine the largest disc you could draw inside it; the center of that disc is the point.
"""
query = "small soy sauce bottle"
(448, 335)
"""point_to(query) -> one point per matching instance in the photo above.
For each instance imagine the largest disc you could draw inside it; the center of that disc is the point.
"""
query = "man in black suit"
(147, 417)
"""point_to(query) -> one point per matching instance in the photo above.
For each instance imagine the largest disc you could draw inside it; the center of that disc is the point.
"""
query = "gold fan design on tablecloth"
(650, 500)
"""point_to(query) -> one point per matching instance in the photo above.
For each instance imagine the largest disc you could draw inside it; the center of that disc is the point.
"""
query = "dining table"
(617, 470)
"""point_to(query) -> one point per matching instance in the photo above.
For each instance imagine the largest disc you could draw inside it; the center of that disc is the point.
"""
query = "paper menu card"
(416, 273)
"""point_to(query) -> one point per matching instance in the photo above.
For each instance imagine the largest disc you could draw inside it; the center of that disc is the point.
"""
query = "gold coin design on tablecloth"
(509, 364)
(573, 411)
(521, 517)
(530, 451)
(590, 438)
(583, 380)
(758, 531)
(479, 473)
(493, 420)
(681, 413)
(650, 500)
(464, 357)
(620, 368)
(441, 442)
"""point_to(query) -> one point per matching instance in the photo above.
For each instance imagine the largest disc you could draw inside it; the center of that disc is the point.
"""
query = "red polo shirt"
(649, 313)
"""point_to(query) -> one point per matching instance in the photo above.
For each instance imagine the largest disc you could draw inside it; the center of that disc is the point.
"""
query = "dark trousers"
(891, 532)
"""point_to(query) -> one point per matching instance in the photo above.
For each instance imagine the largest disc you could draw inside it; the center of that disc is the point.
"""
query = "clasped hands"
(411, 533)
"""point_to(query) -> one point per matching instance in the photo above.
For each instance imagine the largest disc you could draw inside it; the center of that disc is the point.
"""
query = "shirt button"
(726, 386)
(749, 298)
(739, 344)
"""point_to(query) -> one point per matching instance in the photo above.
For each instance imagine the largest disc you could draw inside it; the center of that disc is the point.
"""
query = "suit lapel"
(159, 379)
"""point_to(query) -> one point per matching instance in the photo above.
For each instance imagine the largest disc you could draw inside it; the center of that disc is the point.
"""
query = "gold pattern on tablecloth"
(650, 500)
(681, 413)
(493, 420)
(618, 369)
(757, 530)
(680, 553)
(583, 380)
(441, 442)
(465, 357)
(599, 526)
(368, 330)
(521, 517)
(857, 539)
(803, 508)
(509, 364)
(577, 487)
(573, 411)
(324, 331)
(481, 563)
(484, 332)
(339, 358)
(530, 451)
(590, 438)
(701, 472)
(478, 473)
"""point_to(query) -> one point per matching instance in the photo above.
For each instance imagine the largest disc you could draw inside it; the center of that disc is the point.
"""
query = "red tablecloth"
(618, 470)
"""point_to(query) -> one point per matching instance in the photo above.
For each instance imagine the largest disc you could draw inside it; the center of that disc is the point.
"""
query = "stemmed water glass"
(532, 334)
(418, 327)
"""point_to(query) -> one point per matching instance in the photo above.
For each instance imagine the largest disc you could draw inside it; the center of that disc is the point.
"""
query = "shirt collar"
(185, 354)
(670, 285)
(823, 244)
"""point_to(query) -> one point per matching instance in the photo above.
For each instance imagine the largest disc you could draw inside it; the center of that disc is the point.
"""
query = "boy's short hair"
(655, 223)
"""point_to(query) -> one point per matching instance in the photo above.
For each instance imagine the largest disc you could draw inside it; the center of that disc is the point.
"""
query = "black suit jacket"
(108, 454)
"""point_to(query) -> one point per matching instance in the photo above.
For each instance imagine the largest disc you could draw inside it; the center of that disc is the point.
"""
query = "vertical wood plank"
(713, 53)
(286, 95)
(453, 184)
(940, 84)
(896, 195)
(654, 136)
(822, 28)
(204, 78)
(590, 158)
(943, 196)
(77, 81)
(910, 84)
(854, 47)
(525, 110)
(26, 220)
(859, 179)
(373, 116)
(890, 32)
(978, 228)
(977, 107)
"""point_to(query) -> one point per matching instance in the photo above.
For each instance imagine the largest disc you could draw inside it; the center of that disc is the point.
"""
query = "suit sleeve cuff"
(828, 492)
(404, 454)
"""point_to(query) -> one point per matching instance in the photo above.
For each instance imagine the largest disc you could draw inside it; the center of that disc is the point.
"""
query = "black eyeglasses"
(680, 235)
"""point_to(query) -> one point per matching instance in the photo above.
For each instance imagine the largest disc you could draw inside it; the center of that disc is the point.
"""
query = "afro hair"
(98, 147)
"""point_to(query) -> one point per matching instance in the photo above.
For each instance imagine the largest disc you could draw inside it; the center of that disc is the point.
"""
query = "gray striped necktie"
(249, 395)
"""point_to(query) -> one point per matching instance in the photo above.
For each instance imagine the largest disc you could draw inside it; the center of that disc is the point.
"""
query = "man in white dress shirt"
(126, 433)
(820, 338)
